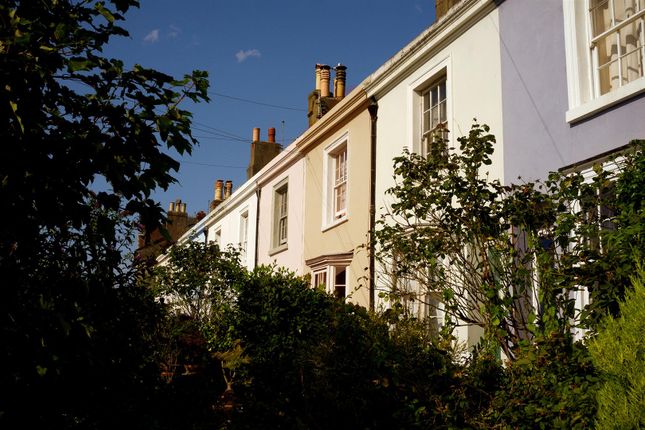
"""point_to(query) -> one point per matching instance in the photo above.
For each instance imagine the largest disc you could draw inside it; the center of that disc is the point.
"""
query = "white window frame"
(431, 129)
(581, 65)
(326, 278)
(280, 205)
(613, 165)
(421, 82)
(324, 270)
(335, 180)
(244, 234)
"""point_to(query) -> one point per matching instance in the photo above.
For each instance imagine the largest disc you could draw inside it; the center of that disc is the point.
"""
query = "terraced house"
(560, 83)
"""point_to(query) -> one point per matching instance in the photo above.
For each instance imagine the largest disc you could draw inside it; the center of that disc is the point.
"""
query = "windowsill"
(605, 101)
(334, 223)
(278, 249)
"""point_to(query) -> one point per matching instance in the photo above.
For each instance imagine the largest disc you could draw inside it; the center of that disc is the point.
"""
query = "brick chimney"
(262, 152)
(218, 195)
(443, 6)
(320, 100)
(153, 242)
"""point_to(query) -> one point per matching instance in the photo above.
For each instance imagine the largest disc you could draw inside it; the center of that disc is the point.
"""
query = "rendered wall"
(292, 257)
(228, 222)
(534, 83)
(352, 233)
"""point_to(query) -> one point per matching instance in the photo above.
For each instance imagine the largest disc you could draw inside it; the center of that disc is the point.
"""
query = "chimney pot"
(171, 207)
(256, 134)
(272, 135)
(324, 80)
(318, 66)
(227, 189)
(339, 80)
(183, 208)
(218, 190)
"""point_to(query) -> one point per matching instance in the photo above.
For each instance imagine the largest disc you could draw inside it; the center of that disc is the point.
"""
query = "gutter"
(258, 192)
(373, 110)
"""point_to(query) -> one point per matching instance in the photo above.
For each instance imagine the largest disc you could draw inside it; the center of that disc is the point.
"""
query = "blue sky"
(261, 51)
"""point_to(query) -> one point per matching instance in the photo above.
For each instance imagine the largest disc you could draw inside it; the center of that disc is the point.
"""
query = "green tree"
(506, 258)
(618, 352)
(74, 329)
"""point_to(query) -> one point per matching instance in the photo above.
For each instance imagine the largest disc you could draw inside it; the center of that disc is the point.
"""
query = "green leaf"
(103, 11)
(14, 108)
(76, 64)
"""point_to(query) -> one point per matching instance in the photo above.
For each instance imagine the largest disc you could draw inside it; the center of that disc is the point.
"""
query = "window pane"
(623, 9)
(442, 91)
(607, 48)
(283, 230)
(608, 77)
(630, 36)
(442, 112)
(600, 16)
(340, 282)
(283, 204)
(632, 66)
(340, 198)
(426, 122)
(435, 96)
(320, 279)
(426, 101)
(435, 117)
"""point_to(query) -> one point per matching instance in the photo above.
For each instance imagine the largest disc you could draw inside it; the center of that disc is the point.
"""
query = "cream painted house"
(336, 152)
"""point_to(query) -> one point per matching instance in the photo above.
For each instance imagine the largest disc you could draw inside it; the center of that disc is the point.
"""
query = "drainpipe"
(372, 109)
(258, 192)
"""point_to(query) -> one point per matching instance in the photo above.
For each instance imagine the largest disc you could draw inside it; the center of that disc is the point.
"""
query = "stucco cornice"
(459, 19)
(330, 259)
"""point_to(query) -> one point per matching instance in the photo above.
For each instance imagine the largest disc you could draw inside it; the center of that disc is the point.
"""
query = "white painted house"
(443, 79)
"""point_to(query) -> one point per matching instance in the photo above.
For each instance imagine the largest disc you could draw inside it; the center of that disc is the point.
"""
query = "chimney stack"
(228, 188)
(324, 80)
(442, 7)
(177, 207)
(339, 81)
(261, 152)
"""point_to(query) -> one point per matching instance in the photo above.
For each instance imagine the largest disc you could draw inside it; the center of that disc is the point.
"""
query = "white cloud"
(174, 31)
(152, 37)
(243, 55)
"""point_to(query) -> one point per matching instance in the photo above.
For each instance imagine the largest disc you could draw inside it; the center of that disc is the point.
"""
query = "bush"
(551, 385)
(619, 354)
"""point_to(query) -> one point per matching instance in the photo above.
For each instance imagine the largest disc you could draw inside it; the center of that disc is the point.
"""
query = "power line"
(256, 102)
(212, 164)
(220, 135)
(220, 131)
(224, 138)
